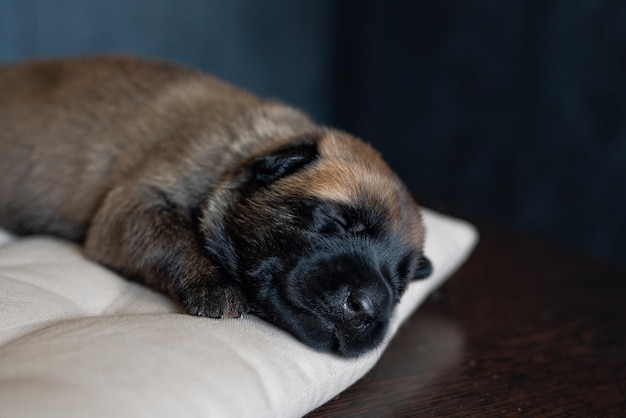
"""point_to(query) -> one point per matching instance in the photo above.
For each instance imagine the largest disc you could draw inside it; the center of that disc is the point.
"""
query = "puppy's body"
(73, 129)
(205, 192)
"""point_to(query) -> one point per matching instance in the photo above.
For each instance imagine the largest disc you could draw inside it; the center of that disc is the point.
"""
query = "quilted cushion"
(78, 340)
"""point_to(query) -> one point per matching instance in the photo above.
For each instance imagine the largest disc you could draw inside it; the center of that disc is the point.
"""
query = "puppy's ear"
(424, 269)
(284, 160)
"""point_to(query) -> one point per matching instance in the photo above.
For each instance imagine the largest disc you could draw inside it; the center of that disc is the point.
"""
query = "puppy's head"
(323, 238)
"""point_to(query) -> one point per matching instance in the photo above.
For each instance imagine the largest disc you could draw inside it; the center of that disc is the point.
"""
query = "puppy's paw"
(214, 302)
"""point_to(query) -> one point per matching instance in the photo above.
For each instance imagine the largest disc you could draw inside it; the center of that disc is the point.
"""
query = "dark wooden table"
(522, 329)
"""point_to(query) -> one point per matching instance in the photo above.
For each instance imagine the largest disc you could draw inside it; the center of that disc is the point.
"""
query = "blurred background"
(511, 112)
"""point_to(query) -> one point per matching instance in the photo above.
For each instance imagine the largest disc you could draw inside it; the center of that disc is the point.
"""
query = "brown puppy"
(224, 201)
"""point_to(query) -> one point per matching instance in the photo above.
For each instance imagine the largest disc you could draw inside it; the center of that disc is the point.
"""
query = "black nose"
(359, 309)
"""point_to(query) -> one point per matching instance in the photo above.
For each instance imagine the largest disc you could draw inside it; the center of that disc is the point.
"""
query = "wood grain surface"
(522, 329)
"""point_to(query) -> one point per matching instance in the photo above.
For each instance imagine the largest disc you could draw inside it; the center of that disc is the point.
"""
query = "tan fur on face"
(349, 171)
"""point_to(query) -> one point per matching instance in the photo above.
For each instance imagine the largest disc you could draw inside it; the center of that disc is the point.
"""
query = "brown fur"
(139, 160)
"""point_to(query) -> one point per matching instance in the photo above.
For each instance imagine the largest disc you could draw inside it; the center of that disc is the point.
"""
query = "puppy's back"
(70, 129)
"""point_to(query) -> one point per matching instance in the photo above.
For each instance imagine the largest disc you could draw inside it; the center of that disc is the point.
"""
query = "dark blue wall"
(278, 48)
(513, 111)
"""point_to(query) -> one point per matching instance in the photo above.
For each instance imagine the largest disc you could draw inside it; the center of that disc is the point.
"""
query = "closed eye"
(356, 227)
(334, 218)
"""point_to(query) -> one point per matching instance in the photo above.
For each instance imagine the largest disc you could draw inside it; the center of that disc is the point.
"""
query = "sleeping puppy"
(226, 202)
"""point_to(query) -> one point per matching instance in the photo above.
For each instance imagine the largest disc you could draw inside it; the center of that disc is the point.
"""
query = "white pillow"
(78, 340)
